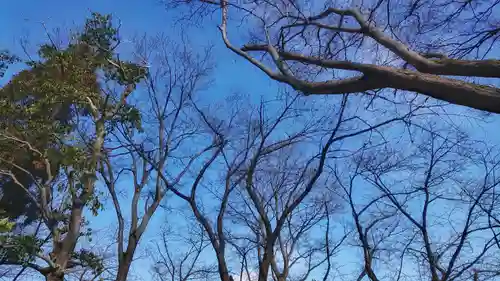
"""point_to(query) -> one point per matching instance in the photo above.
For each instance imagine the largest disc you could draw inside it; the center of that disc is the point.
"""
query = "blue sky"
(22, 18)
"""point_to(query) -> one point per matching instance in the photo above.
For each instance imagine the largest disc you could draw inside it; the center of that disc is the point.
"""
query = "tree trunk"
(426, 81)
(123, 269)
(264, 267)
(223, 272)
(126, 259)
(454, 91)
(55, 276)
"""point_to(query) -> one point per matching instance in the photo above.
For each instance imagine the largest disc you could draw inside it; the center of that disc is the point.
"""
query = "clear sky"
(22, 19)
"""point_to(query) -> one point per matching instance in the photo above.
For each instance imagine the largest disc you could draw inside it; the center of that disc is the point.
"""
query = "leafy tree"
(6, 58)
(5, 224)
(55, 118)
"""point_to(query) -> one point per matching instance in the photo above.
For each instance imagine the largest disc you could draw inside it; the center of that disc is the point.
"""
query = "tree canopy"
(48, 164)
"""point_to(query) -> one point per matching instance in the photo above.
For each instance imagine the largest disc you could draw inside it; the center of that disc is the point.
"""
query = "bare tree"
(164, 143)
(262, 179)
(103, 266)
(178, 257)
(297, 252)
(421, 213)
(440, 49)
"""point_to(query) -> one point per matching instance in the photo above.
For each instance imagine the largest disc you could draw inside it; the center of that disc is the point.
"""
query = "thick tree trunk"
(268, 255)
(450, 90)
(427, 80)
(55, 276)
(264, 268)
(223, 271)
(125, 261)
(123, 269)
(454, 91)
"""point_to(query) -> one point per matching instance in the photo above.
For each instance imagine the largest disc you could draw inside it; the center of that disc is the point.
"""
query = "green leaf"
(6, 58)
(6, 225)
